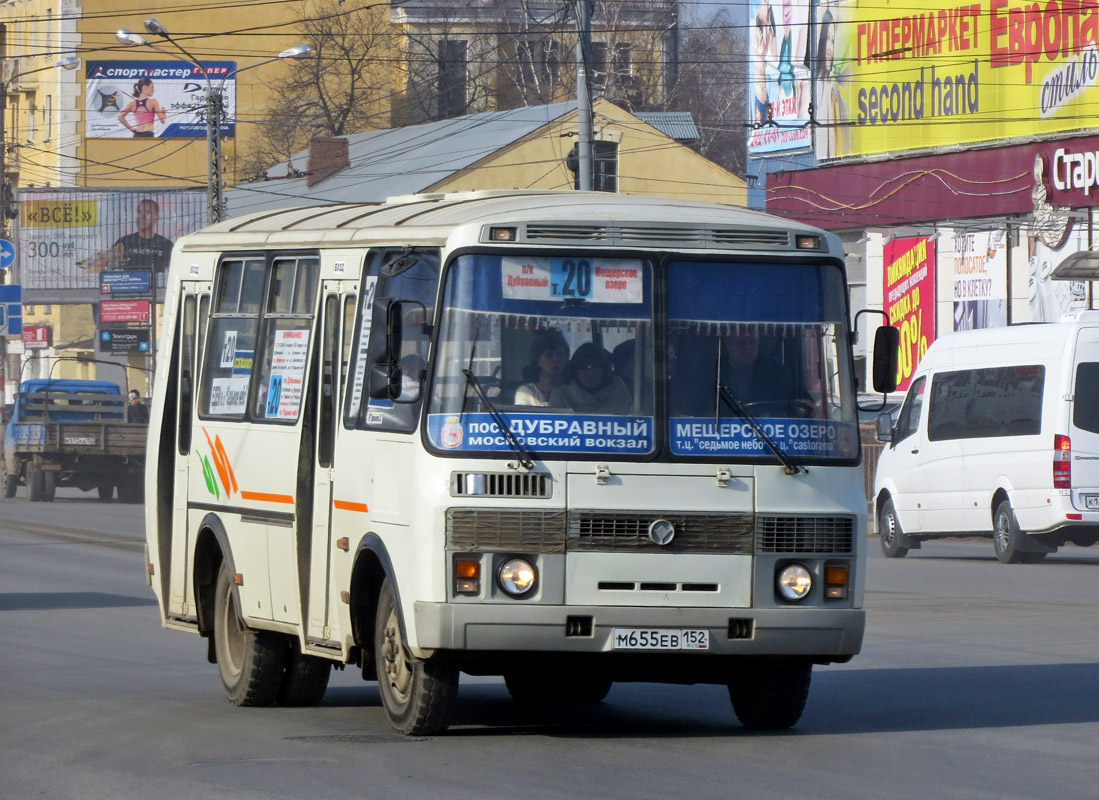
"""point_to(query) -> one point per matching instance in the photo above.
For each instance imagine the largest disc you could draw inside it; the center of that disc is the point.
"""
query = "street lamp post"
(215, 189)
(7, 193)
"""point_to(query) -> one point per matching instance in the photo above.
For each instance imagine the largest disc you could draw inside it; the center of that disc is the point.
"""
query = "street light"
(8, 209)
(215, 196)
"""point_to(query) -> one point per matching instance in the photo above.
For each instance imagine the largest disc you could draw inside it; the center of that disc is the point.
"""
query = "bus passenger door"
(193, 312)
(337, 309)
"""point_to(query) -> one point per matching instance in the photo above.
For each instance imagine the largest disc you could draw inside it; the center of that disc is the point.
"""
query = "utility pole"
(583, 96)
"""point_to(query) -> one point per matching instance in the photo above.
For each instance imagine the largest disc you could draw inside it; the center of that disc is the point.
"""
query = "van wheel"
(251, 662)
(1006, 536)
(889, 530)
(770, 693)
(416, 695)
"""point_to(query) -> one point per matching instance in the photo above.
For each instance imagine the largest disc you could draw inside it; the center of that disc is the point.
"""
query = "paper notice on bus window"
(595, 280)
(284, 387)
(229, 396)
(369, 285)
(228, 349)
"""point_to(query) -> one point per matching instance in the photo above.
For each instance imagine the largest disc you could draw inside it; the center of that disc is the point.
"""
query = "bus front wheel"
(416, 695)
(251, 662)
(770, 693)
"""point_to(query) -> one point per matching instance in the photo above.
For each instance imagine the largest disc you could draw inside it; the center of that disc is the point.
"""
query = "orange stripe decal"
(345, 505)
(267, 498)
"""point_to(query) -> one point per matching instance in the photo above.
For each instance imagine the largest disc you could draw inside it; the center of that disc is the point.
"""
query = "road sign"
(122, 282)
(123, 310)
(121, 340)
(11, 310)
(7, 254)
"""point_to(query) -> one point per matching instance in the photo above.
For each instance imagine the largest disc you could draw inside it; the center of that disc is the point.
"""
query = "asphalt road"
(977, 680)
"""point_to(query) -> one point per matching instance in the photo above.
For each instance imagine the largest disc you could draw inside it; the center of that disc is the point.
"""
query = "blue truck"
(66, 432)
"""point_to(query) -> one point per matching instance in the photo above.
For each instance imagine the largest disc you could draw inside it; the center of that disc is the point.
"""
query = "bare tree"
(343, 87)
(712, 85)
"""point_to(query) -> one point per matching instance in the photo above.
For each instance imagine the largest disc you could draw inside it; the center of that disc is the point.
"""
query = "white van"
(998, 437)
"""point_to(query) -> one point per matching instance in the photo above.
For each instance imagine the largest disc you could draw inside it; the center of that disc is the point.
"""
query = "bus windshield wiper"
(789, 463)
(525, 459)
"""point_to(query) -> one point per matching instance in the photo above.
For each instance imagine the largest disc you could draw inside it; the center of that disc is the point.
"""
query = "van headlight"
(516, 577)
(793, 582)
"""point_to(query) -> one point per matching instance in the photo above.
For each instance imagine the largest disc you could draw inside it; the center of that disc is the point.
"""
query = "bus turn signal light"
(467, 576)
(835, 582)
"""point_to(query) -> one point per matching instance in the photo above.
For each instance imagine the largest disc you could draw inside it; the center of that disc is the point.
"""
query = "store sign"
(36, 336)
(122, 340)
(124, 311)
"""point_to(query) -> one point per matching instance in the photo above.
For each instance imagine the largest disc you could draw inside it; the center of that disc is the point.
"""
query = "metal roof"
(396, 161)
(678, 125)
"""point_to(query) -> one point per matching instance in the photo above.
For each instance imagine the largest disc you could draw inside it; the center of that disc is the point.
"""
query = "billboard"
(891, 76)
(778, 62)
(1050, 300)
(70, 238)
(909, 299)
(155, 99)
(980, 280)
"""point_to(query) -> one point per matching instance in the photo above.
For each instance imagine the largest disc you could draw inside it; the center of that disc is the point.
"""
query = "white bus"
(510, 433)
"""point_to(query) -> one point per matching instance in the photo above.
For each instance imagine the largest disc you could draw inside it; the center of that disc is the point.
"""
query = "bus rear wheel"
(770, 693)
(305, 680)
(251, 663)
(416, 695)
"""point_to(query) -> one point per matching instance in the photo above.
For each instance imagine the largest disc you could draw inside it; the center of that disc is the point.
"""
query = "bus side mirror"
(385, 344)
(887, 342)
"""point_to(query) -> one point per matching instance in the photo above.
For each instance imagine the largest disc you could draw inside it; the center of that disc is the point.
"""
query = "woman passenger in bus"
(591, 387)
(549, 354)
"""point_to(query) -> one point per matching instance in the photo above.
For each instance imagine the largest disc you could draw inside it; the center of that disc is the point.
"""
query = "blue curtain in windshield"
(712, 292)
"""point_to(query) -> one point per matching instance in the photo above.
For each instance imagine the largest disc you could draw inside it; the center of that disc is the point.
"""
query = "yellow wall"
(649, 163)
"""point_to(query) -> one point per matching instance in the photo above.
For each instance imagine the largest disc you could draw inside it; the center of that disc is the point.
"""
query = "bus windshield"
(560, 346)
(562, 351)
(764, 340)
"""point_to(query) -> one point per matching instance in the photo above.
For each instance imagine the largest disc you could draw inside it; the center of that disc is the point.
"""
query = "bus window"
(562, 347)
(187, 373)
(284, 347)
(330, 344)
(234, 324)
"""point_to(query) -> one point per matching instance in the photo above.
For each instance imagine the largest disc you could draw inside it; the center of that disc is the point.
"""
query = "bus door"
(194, 309)
(336, 327)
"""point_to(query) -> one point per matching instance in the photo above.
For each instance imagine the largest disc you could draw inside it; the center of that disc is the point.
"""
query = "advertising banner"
(155, 99)
(119, 340)
(778, 99)
(72, 240)
(891, 76)
(124, 311)
(980, 280)
(36, 336)
(910, 300)
(1051, 300)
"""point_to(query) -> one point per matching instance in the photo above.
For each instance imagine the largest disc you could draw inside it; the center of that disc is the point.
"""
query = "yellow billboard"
(893, 76)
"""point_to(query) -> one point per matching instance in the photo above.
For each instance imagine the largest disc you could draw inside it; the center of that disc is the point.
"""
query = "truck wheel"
(305, 680)
(10, 484)
(251, 662)
(1006, 536)
(416, 695)
(49, 485)
(130, 492)
(889, 531)
(35, 482)
(770, 693)
(105, 490)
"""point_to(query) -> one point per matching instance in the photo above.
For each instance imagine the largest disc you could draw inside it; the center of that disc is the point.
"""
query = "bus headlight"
(793, 582)
(516, 577)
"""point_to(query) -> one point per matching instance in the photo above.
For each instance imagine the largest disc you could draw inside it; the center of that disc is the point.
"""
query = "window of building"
(453, 78)
(551, 62)
(623, 60)
(32, 120)
(597, 73)
(604, 169)
(47, 119)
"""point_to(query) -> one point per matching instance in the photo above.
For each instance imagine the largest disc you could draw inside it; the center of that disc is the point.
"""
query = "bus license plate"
(1091, 500)
(661, 639)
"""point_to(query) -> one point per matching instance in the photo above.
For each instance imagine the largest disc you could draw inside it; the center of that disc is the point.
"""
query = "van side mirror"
(887, 342)
(884, 429)
(385, 344)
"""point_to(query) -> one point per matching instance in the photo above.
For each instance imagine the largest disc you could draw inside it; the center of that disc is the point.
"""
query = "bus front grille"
(500, 484)
(605, 531)
(787, 534)
(474, 530)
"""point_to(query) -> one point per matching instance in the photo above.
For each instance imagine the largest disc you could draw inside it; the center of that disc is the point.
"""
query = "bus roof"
(543, 217)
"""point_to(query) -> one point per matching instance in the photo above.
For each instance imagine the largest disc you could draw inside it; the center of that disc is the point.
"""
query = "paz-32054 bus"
(565, 438)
